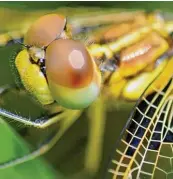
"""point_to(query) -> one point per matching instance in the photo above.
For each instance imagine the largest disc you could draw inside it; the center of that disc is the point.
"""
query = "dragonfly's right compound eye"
(73, 77)
(44, 30)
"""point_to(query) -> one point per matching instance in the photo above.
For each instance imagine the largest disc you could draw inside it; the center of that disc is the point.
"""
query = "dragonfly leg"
(6, 88)
(41, 123)
(95, 141)
(47, 145)
(11, 38)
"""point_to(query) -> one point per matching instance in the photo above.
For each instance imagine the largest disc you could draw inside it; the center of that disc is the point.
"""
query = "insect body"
(139, 50)
(119, 60)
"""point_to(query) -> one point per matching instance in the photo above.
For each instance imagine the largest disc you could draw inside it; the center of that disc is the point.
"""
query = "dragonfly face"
(53, 67)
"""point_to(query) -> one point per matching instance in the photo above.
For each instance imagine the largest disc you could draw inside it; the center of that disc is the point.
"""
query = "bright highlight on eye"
(76, 59)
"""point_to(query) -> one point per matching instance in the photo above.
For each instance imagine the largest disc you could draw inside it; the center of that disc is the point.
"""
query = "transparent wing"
(145, 149)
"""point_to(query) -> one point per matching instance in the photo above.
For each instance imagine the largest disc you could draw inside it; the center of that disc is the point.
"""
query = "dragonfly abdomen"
(139, 55)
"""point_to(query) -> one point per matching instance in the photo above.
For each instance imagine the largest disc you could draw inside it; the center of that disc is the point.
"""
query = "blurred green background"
(67, 156)
(150, 5)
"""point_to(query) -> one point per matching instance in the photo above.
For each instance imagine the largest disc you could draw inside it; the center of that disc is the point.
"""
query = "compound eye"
(44, 30)
(69, 64)
(73, 78)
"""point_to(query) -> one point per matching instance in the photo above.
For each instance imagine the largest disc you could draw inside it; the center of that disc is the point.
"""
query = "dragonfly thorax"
(36, 53)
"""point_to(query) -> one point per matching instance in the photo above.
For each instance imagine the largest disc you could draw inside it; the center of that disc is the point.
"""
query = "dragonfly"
(116, 55)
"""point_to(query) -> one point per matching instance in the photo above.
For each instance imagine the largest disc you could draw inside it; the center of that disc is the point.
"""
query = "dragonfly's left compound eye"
(44, 30)
(73, 78)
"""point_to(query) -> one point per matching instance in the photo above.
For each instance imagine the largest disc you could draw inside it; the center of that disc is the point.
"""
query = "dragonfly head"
(71, 73)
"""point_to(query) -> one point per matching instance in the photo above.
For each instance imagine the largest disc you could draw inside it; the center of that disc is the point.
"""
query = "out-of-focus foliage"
(12, 146)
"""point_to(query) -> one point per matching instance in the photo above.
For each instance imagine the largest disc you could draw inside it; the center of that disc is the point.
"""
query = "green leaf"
(12, 146)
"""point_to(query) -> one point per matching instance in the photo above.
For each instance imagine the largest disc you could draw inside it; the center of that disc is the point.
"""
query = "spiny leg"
(48, 144)
(95, 141)
(41, 123)
(11, 38)
(6, 88)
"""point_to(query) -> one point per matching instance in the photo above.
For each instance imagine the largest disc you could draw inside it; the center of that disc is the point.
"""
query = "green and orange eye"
(73, 79)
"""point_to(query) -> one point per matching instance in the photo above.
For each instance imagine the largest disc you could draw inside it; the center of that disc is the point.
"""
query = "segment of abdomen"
(143, 53)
